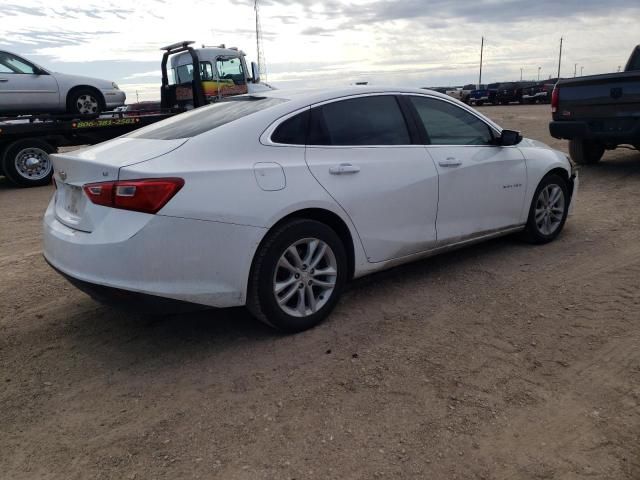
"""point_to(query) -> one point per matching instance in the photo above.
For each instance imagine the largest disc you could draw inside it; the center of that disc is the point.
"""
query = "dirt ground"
(501, 361)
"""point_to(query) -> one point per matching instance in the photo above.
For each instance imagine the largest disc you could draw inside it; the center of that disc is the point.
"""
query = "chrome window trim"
(265, 138)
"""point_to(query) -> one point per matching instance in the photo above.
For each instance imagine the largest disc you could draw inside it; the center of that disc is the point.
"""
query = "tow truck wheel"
(585, 152)
(26, 163)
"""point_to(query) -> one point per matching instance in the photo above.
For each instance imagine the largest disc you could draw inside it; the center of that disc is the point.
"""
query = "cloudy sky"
(312, 43)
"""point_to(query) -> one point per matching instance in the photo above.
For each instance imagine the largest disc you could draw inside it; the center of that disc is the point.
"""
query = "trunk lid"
(100, 163)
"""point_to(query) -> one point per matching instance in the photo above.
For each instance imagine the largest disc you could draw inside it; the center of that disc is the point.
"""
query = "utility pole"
(137, 97)
(520, 74)
(575, 70)
(481, 52)
(262, 67)
(539, 68)
(560, 58)
(581, 70)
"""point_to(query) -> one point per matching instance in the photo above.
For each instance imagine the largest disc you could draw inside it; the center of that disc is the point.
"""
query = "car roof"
(304, 97)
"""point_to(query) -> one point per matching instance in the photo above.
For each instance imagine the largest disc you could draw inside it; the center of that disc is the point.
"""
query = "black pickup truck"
(598, 112)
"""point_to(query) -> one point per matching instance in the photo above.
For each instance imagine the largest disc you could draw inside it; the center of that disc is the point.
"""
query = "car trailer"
(27, 141)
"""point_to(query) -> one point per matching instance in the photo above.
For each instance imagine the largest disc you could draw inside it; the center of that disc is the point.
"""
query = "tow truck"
(197, 76)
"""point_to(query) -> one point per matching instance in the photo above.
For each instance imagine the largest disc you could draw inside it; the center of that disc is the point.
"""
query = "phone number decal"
(107, 122)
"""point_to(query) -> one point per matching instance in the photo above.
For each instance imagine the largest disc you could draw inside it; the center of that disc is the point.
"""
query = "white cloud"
(309, 43)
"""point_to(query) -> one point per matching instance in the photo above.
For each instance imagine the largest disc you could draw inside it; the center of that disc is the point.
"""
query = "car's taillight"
(146, 195)
(555, 99)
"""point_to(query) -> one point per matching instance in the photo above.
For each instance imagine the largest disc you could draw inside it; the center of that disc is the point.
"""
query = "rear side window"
(374, 120)
(448, 124)
(206, 118)
(292, 131)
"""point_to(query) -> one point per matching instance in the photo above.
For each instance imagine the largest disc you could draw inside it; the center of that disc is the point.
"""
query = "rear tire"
(297, 276)
(548, 210)
(585, 152)
(26, 163)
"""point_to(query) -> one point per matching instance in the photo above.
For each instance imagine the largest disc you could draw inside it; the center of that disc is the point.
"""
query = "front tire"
(85, 101)
(585, 152)
(297, 276)
(548, 211)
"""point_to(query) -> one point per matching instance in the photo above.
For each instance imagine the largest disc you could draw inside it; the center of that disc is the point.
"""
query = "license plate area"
(70, 204)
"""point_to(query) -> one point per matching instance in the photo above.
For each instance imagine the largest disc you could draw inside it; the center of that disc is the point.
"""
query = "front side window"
(373, 120)
(448, 124)
(230, 69)
(12, 64)
(206, 71)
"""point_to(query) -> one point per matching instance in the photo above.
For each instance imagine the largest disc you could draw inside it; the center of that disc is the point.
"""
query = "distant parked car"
(28, 88)
(483, 94)
(539, 92)
(461, 93)
(511, 92)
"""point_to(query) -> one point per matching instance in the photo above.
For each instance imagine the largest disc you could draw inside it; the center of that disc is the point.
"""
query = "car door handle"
(450, 162)
(4, 79)
(344, 168)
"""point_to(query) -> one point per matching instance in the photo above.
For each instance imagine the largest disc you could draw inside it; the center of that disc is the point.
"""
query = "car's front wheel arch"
(75, 91)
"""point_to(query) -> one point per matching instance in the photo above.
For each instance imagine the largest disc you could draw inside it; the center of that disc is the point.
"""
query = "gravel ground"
(500, 361)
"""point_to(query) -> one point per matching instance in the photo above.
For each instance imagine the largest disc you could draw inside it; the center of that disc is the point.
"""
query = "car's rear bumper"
(194, 261)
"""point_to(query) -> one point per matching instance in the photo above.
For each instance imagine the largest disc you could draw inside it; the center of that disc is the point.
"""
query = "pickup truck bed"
(598, 112)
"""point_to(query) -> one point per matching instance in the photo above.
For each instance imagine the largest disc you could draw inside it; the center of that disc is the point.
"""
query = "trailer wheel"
(26, 163)
(585, 152)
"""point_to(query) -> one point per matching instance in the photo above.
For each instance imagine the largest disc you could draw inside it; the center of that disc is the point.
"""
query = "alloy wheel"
(305, 277)
(549, 211)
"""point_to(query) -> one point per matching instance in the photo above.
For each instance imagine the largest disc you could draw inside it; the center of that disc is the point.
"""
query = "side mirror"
(509, 138)
(39, 71)
(255, 72)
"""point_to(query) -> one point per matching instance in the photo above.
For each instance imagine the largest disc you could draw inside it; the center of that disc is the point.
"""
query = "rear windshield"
(207, 118)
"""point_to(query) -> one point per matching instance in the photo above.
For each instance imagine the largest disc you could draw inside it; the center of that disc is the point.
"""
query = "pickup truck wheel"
(585, 152)
(26, 163)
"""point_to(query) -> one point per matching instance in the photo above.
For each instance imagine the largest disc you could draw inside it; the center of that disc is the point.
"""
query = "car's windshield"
(207, 118)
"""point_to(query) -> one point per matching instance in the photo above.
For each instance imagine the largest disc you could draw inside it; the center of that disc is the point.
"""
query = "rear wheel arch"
(327, 217)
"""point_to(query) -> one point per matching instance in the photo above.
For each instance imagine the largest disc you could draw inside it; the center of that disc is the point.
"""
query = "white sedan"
(276, 201)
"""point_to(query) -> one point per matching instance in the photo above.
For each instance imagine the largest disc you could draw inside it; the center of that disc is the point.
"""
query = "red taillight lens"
(100, 193)
(147, 195)
(555, 99)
